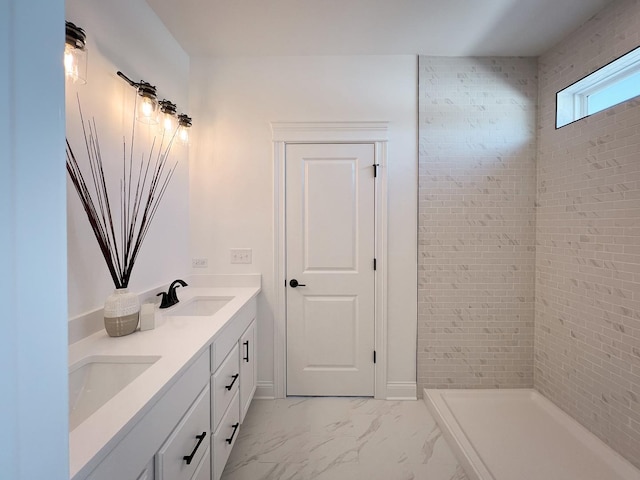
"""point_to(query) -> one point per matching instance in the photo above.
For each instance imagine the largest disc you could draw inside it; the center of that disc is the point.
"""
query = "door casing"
(329, 132)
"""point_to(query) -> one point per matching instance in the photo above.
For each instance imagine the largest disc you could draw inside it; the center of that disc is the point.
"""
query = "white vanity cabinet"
(248, 368)
(187, 430)
(233, 382)
(169, 429)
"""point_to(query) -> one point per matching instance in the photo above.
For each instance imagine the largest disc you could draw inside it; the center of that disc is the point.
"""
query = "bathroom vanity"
(171, 401)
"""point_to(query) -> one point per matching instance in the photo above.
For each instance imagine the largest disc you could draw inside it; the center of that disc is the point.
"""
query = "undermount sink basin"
(95, 380)
(199, 307)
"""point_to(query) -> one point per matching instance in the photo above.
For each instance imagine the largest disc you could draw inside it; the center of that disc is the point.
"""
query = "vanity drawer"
(224, 385)
(203, 472)
(225, 436)
(192, 431)
(231, 333)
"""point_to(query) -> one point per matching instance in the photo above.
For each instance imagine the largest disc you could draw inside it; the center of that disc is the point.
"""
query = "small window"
(610, 85)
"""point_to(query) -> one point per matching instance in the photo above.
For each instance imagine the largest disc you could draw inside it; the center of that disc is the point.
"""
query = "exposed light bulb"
(147, 104)
(70, 65)
(184, 135)
(147, 107)
(169, 120)
(168, 124)
(184, 122)
(75, 54)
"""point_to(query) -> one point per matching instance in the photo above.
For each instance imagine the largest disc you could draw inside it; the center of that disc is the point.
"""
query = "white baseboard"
(395, 391)
(264, 391)
(402, 391)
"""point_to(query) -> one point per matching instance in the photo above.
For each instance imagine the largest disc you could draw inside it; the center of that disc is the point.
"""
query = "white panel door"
(330, 227)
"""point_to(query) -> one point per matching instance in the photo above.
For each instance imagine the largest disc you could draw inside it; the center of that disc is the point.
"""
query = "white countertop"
(177, 340)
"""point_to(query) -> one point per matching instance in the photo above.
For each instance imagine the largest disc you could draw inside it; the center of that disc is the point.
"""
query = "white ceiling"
(372, 27)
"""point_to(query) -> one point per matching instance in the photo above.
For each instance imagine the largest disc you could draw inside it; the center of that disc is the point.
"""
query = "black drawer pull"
(246, 357)
(235, 377)
(188, 458)
(235, 429)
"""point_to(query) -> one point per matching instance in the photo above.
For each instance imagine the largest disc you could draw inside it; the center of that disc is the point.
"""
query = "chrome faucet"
(169, 299)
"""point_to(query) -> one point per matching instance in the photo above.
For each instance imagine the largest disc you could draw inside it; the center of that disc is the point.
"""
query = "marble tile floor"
(305, 438)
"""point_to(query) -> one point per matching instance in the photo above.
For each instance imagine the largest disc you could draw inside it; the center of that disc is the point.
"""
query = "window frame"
(572, 102)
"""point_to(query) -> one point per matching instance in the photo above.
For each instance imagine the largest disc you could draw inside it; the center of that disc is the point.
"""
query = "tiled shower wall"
(476, 222)
(587, 349)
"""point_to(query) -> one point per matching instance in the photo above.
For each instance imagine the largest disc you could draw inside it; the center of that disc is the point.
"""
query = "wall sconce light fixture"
(147, 104)
(184, 123)
(147, 107)
(168, 118)
(75, 53)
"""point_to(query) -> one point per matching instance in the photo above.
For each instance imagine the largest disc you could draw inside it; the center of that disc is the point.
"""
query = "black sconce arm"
(127, 79)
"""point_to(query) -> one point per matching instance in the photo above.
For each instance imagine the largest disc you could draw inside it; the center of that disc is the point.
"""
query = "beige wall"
(587, 343)
(477, 119)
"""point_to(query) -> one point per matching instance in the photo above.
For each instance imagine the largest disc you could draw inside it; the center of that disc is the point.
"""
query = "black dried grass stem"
(142, 187)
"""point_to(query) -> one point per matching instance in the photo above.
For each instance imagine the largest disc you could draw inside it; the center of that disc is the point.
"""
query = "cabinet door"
(225, 437)
(147, 473)
(248, 370)
(225, 384)
(203, 472)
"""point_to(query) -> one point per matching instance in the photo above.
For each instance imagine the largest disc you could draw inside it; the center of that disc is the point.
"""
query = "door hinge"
(375, 263)
(374, 356)
(375, 169)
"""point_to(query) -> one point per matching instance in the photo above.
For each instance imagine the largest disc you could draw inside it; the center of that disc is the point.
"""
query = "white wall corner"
(402, 391)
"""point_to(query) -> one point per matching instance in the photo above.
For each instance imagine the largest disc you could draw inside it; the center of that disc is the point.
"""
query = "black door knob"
(294, 283)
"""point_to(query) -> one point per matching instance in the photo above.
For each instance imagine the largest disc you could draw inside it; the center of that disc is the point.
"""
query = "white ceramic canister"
(121, 313)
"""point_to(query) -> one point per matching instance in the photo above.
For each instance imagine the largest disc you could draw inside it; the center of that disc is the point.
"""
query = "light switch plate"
(241, 255)
(199, 262)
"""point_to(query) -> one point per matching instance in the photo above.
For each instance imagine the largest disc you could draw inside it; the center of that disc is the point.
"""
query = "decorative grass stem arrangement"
(142, 186)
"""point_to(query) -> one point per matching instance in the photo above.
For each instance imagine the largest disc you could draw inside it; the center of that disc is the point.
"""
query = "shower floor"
(520, 435)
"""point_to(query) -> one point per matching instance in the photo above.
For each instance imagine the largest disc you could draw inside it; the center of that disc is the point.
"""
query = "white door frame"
(329, 132)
